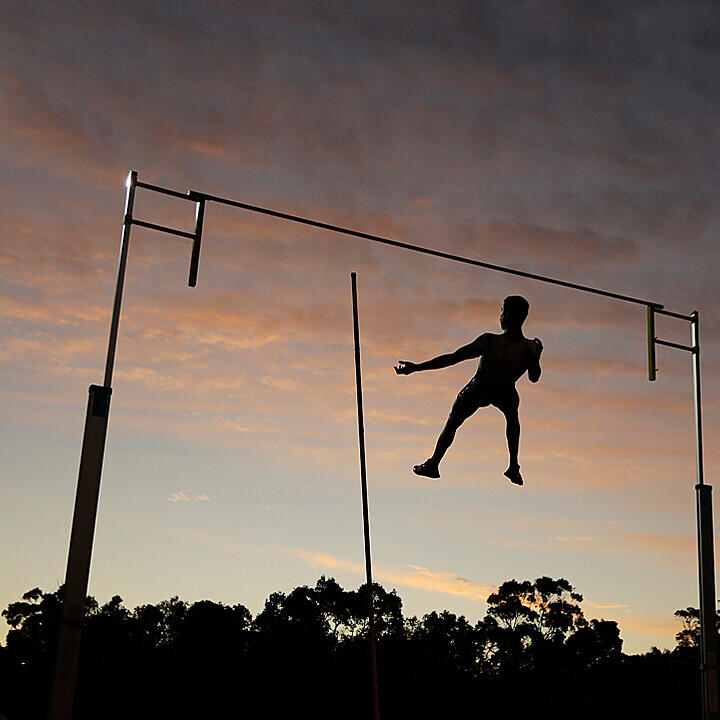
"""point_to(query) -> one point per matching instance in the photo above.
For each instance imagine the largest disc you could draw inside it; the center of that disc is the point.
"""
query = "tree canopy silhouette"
(306, 654)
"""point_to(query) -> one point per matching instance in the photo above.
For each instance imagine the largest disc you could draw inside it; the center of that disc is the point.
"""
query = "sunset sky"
(570, 139)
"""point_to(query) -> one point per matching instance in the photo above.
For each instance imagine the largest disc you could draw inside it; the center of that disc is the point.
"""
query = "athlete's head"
(514, 311)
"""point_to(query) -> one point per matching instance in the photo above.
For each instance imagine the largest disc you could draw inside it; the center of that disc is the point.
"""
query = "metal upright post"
(120, 283)
(366, 520)
(86, 502)
(706, 551)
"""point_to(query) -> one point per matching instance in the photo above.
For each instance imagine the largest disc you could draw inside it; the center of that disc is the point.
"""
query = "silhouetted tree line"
(534, 654)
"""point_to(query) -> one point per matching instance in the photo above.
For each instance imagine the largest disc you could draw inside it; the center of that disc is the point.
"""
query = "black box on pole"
(80, 552)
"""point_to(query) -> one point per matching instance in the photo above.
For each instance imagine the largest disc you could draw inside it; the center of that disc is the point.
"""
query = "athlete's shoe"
(427, 469)
(513, 475)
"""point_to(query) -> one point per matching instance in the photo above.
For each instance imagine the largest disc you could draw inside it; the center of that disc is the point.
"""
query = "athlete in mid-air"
(504, 359)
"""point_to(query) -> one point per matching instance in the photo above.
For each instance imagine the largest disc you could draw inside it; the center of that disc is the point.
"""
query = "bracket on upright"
(195, 236)
(653, 341)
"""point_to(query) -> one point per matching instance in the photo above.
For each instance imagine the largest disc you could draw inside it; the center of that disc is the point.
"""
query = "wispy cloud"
(319, 559)
(438, 581)
(182, 496)
(603, 606)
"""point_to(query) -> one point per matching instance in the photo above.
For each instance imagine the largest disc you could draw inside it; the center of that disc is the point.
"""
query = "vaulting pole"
(366, 521)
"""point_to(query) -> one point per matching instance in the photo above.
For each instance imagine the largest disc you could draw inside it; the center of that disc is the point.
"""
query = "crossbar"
(164, 191)
(421, 249)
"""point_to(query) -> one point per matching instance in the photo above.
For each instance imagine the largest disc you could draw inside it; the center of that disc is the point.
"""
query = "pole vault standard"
(91, 462)
(366, 518)
(703, 492)
(96, 421)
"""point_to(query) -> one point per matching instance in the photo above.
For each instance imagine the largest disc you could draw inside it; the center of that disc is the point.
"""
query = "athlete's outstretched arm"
(466, 352)
(534, 371)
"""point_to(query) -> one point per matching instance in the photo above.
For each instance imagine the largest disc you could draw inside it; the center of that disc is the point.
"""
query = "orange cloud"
(603, 606)
(422, 578)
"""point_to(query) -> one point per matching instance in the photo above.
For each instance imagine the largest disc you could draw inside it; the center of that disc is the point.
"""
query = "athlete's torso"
(504, 361)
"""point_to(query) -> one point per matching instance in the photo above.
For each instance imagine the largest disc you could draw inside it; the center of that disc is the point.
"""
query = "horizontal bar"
(667, 343)
(163, 228)
(421, 249)
(164, 191)
(679, 316)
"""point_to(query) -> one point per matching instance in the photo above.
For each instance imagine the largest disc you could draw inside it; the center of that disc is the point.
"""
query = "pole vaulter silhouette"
(504, 359)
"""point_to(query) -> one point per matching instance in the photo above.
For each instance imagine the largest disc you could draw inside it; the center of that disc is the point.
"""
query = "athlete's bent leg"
(446, 437)
(430, 467)
(464, 406)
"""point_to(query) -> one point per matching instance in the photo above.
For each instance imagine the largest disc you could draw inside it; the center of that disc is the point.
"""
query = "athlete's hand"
(538, 346)
(405, 368)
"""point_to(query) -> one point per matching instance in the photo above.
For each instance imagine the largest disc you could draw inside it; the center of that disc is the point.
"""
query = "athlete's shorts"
(477, 394)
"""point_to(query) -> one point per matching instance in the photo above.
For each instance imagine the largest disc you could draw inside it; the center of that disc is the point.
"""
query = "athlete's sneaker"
(427, 469)
(513, 475)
